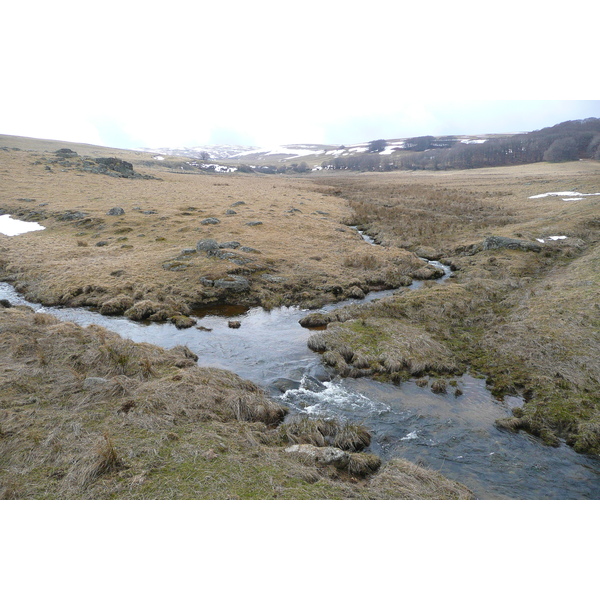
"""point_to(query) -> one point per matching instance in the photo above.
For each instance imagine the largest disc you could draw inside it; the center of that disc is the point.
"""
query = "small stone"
(207, 245)
(273, 278)
(254, 223)
(174, 265)
(324, 456)
(235, 283)
(210, 221)
(283, 384)
(116, 211)
(234, 324)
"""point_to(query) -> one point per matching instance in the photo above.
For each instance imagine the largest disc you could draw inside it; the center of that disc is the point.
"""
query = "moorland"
(86, 414)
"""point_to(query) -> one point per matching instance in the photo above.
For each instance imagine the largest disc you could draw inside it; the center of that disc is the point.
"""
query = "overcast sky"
(138, 73)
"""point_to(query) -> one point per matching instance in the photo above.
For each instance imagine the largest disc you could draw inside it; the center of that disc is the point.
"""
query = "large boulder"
(115, 167)
(497, 242)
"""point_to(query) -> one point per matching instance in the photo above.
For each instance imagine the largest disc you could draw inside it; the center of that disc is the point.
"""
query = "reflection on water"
(455, 435)
(220, 310)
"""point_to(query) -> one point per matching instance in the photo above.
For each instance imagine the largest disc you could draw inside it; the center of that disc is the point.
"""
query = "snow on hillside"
(285, 152)
(224, 152)
(215, 152)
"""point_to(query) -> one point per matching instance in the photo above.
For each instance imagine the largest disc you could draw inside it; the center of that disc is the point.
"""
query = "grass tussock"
(418, 483)
(103, 459)
(382, 346)
(363, 464)
(347, 436)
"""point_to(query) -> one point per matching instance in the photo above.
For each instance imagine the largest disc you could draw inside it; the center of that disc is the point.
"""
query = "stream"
(453, 435)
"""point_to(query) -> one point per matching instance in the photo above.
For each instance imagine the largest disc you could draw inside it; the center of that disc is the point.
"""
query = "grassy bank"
(85, 414)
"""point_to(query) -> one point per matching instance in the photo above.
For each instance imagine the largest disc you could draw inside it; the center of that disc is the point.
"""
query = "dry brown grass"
(382, 347)
(143, 256)
(528, 321)
(86, 414)
(447, 208)
(347, 436)
(418, 483)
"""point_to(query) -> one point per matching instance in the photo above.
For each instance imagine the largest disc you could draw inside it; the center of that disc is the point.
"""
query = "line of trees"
(570, 140)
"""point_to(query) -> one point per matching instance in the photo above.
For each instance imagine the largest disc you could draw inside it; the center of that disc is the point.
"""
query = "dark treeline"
(571, 140)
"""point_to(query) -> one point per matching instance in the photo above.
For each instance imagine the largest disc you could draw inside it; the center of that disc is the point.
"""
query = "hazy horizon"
(500, 118)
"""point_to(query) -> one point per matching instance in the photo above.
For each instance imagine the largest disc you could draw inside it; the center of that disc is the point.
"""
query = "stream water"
(455, 435)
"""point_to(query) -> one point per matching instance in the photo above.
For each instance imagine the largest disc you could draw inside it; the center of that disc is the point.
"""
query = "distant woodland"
(567, 141)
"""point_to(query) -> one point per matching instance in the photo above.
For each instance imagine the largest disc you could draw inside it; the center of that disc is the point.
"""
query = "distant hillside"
(570, 140)
(243, 153)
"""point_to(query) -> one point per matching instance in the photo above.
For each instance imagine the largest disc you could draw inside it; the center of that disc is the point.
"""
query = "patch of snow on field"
(10, 226)
(552, 237)
(569, 196)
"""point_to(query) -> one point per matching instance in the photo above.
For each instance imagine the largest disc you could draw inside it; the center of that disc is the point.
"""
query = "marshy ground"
(525, 316)
(85, 414)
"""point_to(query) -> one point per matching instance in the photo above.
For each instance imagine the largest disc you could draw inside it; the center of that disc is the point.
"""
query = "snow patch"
(390, 149)
(10, 226)
(566, 196)
(552, 237)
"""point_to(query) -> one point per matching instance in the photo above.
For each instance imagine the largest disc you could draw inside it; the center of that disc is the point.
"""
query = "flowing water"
(455, 435)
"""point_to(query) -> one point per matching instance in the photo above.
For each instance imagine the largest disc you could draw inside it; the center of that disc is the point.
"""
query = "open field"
(286, 242)
(525, 316)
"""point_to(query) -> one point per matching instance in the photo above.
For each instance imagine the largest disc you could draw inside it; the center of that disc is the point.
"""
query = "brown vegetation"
(528, 321)
(87, 414)
(143, 262)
